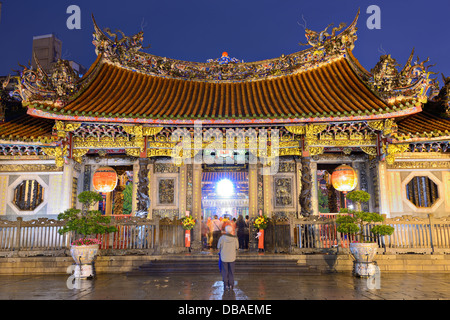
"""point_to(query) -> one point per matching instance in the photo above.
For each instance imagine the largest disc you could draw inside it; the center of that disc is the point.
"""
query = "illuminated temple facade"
(163, 124)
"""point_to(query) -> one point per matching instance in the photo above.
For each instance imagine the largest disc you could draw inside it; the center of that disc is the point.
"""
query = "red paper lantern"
(344, 178)
(105, 179)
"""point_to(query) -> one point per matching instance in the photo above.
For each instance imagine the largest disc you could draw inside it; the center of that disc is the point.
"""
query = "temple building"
(227, 137)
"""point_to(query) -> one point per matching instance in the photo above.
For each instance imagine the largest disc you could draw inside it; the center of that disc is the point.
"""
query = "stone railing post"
(432, 231)
(156, 219)
(382, 238)
(18, 235)
(291, 233)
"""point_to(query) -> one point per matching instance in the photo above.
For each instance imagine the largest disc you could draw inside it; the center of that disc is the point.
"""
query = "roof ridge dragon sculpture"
(127, 52)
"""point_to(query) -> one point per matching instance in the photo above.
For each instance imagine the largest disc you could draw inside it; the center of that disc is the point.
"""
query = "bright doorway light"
(225, 188)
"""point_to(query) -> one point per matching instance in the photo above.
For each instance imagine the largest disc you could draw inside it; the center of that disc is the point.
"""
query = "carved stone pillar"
(151, 187)
(252, 202)
(196, 243)
(360, 168)
(298, 181)
(267, 190)
(252, 190)
(182, 193)
(307, 186)
(314, 191)
(143, 200)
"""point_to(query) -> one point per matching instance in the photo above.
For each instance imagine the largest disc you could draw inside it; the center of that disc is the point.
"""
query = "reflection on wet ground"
(337, 286)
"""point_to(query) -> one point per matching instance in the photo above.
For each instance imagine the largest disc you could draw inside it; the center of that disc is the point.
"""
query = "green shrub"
(86, 222)
(352, 222)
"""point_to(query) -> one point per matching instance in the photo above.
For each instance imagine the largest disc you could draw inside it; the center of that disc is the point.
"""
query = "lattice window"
(422, 192)
(28, 195)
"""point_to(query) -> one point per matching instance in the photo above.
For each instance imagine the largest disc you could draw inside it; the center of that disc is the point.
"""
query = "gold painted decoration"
(371, 151)
(133, 152)
(394, 149)
(296, 129)
(313, 151)
(78, 154)
(152, 131)
(313, 129)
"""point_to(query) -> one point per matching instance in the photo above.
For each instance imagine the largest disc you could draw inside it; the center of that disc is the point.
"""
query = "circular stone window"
(28, 195)
(422, 192)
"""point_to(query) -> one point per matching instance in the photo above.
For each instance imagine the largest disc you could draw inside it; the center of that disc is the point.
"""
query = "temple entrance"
(119, 201)
(225, 191)
(225, 196)
(330, 200)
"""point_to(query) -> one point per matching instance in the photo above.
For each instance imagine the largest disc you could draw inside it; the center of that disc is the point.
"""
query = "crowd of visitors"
(213, 229)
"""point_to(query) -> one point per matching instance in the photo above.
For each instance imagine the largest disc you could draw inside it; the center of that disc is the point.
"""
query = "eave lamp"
(344, 179)
(104, 179)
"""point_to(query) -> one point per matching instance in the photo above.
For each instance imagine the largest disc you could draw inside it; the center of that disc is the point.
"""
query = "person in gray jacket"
(228, 245)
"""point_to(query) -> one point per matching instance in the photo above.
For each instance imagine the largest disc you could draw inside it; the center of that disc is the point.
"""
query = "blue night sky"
(250, 30)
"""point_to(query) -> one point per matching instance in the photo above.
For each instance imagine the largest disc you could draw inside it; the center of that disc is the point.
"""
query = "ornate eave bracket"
(59, 153)
(392, 150)
(63, 128)
(318, 137)
(387, 127)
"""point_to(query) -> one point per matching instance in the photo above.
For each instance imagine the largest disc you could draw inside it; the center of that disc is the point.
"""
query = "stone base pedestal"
(84, 271)
(364, 269)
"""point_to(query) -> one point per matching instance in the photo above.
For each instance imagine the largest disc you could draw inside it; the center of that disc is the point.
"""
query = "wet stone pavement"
(336, 286)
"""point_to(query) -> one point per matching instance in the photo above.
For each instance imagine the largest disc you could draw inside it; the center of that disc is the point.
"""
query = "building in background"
(47, 49)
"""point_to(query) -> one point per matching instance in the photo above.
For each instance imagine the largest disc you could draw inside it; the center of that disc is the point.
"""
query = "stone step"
(209, 264)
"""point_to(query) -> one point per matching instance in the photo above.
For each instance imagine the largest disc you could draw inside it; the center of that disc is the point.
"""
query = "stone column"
(252, 190)
(134, 203)
(298, 182)
(267, 190)
(382, 179)
(314, 195)
(67, 178)
(94, 167)
(361, 169)
(196, 243)
(307, 186)
(252, 202)
(151, 188)
(143, 200)
(182, 193)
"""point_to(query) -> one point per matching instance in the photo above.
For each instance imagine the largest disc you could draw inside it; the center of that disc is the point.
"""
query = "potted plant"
(188, 223)
(260, 223)
(85, 223)
(353, 223)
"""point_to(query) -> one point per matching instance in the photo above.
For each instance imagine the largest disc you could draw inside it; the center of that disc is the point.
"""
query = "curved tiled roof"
(423, 124)
(331, 91)
(25, 128)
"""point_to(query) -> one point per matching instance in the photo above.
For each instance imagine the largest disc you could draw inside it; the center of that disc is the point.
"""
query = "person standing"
(247, 232)
(217, 230)
(210, 230)
(228, 245)
(240, 225)
(233, 226)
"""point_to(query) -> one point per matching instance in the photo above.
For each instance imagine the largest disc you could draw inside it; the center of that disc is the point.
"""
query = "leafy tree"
(353, 221)
(86, 222)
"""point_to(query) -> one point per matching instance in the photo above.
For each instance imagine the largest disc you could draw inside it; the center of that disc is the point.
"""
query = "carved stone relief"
(283, 191)
(166, 191)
